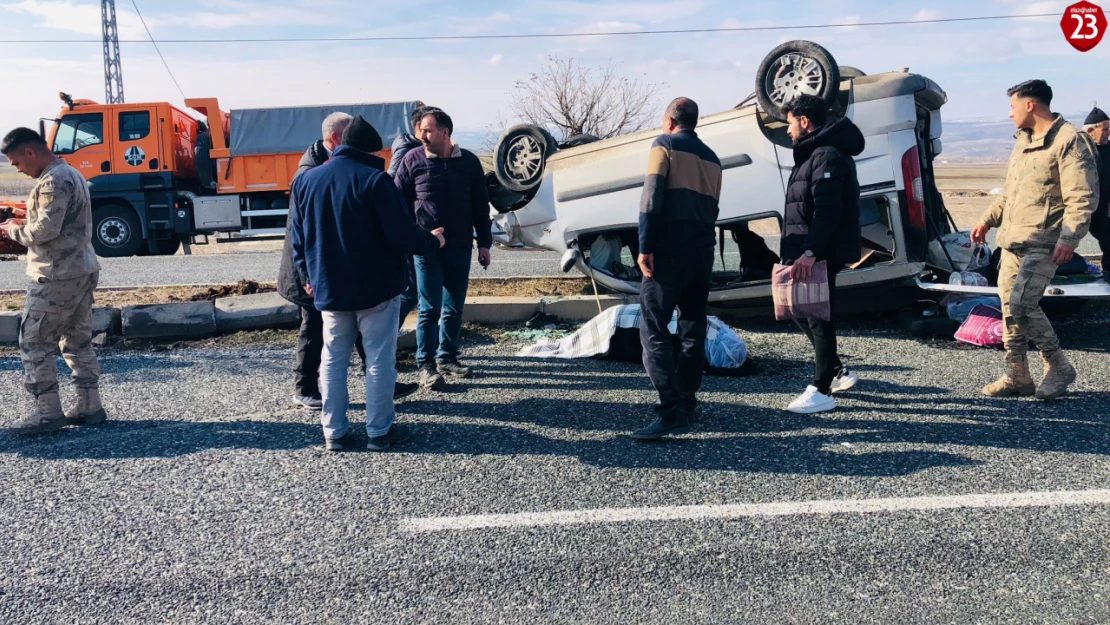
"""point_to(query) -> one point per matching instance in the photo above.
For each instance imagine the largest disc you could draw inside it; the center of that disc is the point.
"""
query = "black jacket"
(290, 285)
(822, 198)
(1100, 220)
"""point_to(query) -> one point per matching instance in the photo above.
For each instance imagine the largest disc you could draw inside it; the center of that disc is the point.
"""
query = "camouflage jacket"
(58, 232)
(1050, 191)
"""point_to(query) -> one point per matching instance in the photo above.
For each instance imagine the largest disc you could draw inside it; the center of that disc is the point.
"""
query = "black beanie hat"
(362, 136)
(1096, 116)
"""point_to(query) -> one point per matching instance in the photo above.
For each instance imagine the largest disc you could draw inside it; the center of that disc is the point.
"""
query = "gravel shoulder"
(208, 499)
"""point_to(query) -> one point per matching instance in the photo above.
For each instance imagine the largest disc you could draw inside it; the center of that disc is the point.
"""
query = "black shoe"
(688, 407)
(312, 402)
(669, 422)
(453, 369)
(402, 390)
(398, 433)
(347, 442)
(430, 379)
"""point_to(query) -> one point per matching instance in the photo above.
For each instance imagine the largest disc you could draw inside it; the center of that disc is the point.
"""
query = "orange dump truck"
(141, 161)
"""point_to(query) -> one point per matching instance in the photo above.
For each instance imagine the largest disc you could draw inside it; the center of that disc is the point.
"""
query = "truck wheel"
(794, 68)
(116, 231)
(519, 157)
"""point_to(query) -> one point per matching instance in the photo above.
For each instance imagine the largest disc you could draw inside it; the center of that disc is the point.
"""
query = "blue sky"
(974, 62)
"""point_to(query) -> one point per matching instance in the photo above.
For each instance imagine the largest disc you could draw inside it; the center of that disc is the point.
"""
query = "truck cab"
(136, 157)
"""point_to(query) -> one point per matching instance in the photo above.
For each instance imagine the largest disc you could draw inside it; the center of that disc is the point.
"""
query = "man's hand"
(1062, 254)
(308, 288)
(647, 264)
(8, 226)
(438, 232)
(483, 257)
(802, 268)
(979, 233)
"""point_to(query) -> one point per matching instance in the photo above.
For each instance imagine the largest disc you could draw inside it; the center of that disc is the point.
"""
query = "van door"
(79, 139)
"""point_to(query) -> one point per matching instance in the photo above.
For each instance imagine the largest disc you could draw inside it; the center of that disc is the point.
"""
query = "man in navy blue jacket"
(350, 239)
(445, 187)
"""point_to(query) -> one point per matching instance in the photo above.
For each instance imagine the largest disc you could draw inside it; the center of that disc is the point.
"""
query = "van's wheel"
(116, 231)
(792, 69)
(519, 157)
(847, 71)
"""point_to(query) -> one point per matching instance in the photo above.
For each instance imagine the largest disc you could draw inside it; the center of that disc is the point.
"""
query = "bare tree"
(570, 99)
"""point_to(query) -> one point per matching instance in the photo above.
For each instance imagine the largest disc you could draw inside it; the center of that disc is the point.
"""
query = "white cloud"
(650, 12)
(849, 22)
(495, 59)
(612, 27)
(78, 17)
(925, 15)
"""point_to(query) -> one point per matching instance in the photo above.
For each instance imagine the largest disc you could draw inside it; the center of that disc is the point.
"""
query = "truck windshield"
(77, 131)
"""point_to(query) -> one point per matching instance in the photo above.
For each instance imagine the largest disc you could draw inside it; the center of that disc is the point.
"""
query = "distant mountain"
(981, 141)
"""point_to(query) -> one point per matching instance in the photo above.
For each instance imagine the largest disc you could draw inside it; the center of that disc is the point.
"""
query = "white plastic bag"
(965, 255)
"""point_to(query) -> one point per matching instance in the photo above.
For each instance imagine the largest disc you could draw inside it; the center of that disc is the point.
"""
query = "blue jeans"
(409, 296)
(378, 326)
(441, 281)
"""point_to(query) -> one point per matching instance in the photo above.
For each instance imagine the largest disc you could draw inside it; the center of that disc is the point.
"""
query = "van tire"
(116, 231)
(520, 156)
(847, 71)
(821, 78)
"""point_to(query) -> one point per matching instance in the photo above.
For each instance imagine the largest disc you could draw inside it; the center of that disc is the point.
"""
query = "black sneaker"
(398, 433)
(347, 442)
(689, 407)
(453, 369)
(312, 402)
(670, 422)
(402, 390)
(430, 379)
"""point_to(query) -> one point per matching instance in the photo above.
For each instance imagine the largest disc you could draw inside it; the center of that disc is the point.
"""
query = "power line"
(167, 66)
(683, 31)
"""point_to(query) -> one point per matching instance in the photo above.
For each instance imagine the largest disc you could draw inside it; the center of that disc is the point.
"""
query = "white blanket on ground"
(724, 348)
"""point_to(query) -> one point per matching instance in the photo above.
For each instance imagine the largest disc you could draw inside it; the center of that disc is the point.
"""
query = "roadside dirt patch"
(503, 287)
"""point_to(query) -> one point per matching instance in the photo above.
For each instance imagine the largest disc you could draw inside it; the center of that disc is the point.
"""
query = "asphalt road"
(208, 499)
(263, 266)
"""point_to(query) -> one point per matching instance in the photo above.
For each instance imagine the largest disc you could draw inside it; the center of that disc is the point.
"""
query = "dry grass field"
(966, 188)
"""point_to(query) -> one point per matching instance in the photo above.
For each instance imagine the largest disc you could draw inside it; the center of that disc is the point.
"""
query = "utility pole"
(113, 76)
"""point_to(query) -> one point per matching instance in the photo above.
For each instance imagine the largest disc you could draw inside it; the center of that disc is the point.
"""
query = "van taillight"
(915, 188)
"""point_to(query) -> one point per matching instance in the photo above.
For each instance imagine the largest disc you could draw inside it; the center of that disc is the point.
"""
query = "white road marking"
(735, 511)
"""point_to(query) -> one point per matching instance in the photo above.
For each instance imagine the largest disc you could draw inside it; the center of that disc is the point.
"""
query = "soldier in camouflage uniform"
(1044, 210)
(63, 269)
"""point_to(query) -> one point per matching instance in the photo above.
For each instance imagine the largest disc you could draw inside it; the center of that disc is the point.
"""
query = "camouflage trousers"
(1023, 276)
(58, 315)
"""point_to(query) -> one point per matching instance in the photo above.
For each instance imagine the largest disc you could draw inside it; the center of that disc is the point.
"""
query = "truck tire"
(794, 68)
(116, 231)
(520, 156)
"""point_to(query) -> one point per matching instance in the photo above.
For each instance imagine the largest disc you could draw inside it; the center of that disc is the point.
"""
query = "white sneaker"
(811, 401)
(844, 381)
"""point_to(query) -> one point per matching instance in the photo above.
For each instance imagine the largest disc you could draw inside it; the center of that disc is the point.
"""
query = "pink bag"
(983, 327)
(801, 300)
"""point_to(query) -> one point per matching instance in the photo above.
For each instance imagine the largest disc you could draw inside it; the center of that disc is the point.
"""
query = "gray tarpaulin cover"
(293, 129)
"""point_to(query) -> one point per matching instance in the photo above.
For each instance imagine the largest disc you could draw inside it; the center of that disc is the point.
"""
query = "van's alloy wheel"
(792, 69)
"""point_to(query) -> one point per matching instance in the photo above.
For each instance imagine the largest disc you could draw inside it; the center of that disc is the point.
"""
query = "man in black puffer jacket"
(821, 223)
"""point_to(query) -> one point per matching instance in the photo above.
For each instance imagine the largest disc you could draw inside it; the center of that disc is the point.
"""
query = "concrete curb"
(9, 327)
(264, 311)
(255, 312)
(183, 320)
